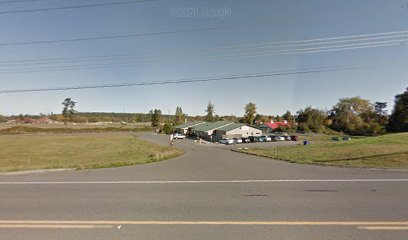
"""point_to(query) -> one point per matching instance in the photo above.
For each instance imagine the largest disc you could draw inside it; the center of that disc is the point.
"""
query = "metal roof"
(231, 127)
(189, 124)
(210, 126)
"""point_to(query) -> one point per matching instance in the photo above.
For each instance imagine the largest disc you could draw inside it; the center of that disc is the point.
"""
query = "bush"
(79, 119)
(287, 129)
(329, 131)
(303, 128)
(167, 128)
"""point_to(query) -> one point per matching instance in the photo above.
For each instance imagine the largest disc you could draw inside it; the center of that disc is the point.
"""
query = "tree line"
(354, 116)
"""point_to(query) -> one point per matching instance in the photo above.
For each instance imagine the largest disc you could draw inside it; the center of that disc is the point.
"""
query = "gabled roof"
(275, 125)
(232, 126)
(189, 124)
(211, 126)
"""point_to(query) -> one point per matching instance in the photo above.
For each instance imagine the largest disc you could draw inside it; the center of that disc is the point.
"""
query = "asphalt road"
(208, 193)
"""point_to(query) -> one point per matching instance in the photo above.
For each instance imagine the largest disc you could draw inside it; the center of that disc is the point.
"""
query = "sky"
(237, 25)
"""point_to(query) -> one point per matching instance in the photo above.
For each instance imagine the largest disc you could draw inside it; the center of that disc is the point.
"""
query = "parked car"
(274, 138)
(246, 140)
(237, 140)
(262, 139)
(227, 141)
(294, 138)
(268, 138)
(280, 138)
(253, 139)
(179, 136)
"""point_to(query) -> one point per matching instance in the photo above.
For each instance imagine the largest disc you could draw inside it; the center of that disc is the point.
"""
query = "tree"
(260, 118)
(311, 119)
(399, 118)
(2, 118)
(250, 111)
(288, 116)
(379, 108)
(156, 117)
(355, 116)
(209, 117)
(168, 128)
(231, 117)
(179, 116)
(68, 110)
(279, 118)
(380, 114)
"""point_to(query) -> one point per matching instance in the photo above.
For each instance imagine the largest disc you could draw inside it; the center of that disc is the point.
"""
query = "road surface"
(208, 193)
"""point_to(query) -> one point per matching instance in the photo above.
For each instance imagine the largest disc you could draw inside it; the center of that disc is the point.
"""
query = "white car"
(281, 138)
(237, 140)
(268, 139)
(179, 136)
(227, 141)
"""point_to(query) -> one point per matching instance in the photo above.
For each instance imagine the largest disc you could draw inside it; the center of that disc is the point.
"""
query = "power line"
(401, 38)
(18, 1)
(183, 81)
(125, 35)
(223, 48)
(129, 60)
(105, 63)
(74, 7)
(346, 38)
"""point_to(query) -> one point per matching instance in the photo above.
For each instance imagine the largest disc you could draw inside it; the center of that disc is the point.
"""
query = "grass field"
(31, 129)
(80, 151)
(77, 125)
(387, 151)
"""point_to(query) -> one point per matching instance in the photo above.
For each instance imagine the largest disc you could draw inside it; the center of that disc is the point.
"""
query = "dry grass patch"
(80, 151)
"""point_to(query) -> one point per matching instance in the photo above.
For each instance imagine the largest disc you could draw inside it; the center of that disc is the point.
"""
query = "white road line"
(205, 181)
(57, 226)
(392, 228)
(140, 222)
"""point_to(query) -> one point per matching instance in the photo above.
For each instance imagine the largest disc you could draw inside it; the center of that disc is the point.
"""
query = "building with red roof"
(270, 126)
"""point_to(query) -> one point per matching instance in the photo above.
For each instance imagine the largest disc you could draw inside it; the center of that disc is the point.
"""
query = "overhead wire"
(185, 80)
(129, 62)
(19, 11)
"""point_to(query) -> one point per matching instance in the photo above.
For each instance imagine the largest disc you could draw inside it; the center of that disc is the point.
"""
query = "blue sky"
(275, 21)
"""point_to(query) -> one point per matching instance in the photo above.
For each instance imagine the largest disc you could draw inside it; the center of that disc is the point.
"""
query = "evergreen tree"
(68, 110)
(209, 117)
(156, 117)
(399, 117)
(179, 117)
(288, 116)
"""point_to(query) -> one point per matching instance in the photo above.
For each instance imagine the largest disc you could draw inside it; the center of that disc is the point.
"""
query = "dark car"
(274, 138)
(294, 138)
(245, 140)
(253, 139)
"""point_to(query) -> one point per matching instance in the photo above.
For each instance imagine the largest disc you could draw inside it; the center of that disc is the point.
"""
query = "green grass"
(80, 151)
(76, 125)
(29, 129)
(387, 151)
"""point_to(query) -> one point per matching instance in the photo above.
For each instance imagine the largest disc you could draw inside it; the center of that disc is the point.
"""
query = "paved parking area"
(189, 142)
